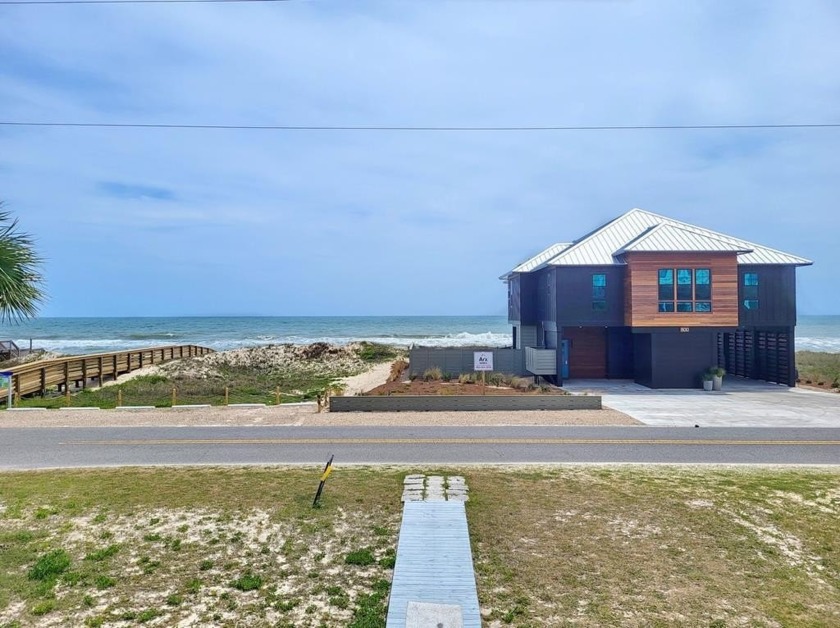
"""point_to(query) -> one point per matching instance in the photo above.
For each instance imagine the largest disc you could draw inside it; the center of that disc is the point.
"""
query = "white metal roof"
(667, 237)
(539, 260)
(605, 244)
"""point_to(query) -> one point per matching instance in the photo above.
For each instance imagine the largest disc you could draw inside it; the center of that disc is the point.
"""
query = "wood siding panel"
(587, 352)
(642, 290)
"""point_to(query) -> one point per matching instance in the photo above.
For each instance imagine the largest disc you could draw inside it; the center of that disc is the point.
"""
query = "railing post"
(43, 382)
(116, 367)
(84, 373)
(100, 371)
(67, 375)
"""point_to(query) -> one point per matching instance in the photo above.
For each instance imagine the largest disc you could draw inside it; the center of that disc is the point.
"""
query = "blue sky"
(197, 222)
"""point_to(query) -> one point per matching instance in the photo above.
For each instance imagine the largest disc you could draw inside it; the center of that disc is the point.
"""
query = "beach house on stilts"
(656, 300)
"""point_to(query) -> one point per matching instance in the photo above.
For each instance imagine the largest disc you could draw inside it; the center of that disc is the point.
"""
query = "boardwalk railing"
(9, 350)
(79, 370)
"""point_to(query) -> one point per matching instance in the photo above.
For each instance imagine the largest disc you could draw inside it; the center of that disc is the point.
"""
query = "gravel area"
(303, 414)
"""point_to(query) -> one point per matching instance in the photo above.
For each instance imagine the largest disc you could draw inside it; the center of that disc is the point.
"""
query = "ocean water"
(92, 335)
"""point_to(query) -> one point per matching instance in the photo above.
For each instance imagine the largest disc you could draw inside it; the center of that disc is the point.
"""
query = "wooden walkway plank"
(434, 562)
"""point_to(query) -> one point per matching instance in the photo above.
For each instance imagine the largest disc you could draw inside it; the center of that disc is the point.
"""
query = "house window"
(751, 291)
(685, 290)
(599, 292)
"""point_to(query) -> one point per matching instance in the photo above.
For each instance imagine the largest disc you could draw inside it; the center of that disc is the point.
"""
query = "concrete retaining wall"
(457, 360)
(446, 403)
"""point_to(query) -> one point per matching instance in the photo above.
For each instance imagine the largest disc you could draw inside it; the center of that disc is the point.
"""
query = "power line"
(442, 129)
(32, 2)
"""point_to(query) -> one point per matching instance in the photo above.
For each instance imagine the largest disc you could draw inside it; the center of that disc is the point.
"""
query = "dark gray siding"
(522, 298)
(514, 287)
(643, 359)
(574, 296)
(619, 353)
(680, 359)
(546, 293)
(776, 295)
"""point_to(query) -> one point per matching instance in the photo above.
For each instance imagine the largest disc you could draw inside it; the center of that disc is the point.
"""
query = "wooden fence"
(38, 377)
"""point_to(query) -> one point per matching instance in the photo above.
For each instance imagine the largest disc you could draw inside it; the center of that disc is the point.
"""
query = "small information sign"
(483, 361)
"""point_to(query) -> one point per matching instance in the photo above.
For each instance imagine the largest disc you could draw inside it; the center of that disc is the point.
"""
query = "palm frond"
(20, 277)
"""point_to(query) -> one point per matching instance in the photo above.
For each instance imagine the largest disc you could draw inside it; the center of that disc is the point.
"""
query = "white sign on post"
(482, 360)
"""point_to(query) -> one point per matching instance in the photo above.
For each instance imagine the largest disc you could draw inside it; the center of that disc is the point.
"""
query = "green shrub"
(42, 608)
(50, 565)
(376, 352)
(432, 374)
(104, 553)
(247, 582)
(361, 557)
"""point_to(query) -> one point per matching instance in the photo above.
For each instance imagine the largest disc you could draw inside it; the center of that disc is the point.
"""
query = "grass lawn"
(207, 547)
(657, 546)
(819, 368)
(583, 546)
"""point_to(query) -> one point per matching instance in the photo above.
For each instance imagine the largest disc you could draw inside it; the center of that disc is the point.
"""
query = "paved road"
(106, 446)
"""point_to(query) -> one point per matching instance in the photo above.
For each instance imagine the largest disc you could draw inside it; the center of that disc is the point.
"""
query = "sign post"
(483, 362)
(8, 376)
(324, 476)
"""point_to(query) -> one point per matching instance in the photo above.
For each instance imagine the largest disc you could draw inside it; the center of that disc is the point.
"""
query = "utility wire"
(259, 127)
(31, 2)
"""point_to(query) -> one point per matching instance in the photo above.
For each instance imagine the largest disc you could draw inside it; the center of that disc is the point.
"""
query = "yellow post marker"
(227, 395)
(119, 396)
(174, 396)
(277, 392)
(66, 396)
(324, 476)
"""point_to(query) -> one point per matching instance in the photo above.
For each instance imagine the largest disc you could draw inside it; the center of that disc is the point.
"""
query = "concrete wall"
(456, 360)
(446, 403)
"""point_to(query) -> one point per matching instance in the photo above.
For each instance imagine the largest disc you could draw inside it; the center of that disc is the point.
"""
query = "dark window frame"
(752, 283)
(673, 296)
(599, 292)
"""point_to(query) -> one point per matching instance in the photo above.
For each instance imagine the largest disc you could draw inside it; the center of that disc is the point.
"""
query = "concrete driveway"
(741, 403)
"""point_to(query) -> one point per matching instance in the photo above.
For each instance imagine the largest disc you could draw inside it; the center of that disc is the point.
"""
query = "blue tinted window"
(750, 279)
(666, 306)
(702, 284)
(685, 306)
(702, 306)
(666, 285)
(751, 304)
(684, 284)
(599, 292)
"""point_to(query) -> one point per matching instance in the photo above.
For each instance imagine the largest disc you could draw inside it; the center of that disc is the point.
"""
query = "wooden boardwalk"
(80, 370)
(434, 562)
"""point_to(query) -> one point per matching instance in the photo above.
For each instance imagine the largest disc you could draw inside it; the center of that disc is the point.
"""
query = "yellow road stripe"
(448, 441)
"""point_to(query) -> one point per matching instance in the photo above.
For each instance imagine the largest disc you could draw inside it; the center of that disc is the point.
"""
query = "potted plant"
(717, 377)
(707, 381)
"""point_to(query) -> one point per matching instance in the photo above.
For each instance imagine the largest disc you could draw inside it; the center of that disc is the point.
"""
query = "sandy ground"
(303, 414)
